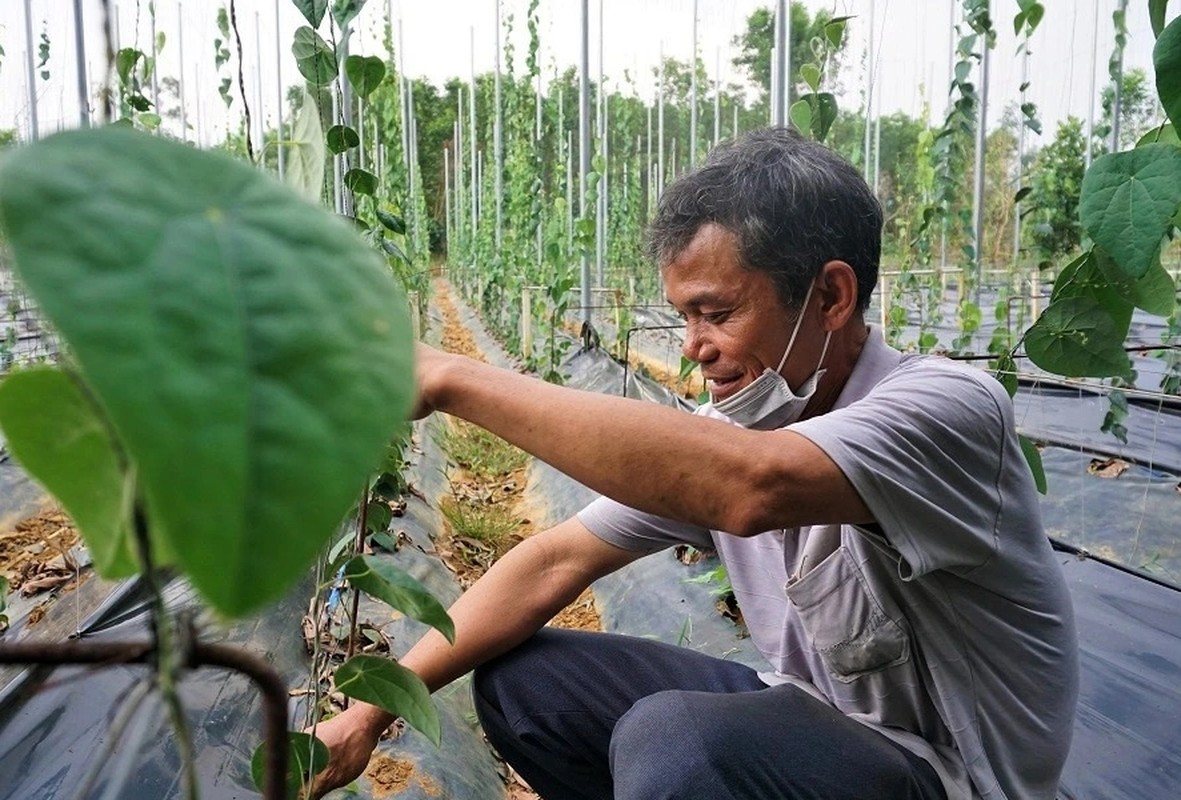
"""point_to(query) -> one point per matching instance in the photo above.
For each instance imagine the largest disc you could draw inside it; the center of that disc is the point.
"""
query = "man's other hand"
(351, 737)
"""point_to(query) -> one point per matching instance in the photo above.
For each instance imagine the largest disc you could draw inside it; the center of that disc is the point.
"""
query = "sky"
(444, 38)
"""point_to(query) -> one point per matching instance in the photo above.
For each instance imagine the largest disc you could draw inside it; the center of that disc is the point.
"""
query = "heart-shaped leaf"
(365, 73)
(390, 686)
(312, 10)
(252, 354)
(314, 57)
(1128, 202)
(1166, 58)
(341, 138)
(1076, 337)
(400, 590)
(306, 756)
(360, 181)
(305, 151)
(58, 436)
(1156, 292)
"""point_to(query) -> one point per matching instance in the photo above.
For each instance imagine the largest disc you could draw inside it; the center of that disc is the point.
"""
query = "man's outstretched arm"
(517, 596)
(647, 456)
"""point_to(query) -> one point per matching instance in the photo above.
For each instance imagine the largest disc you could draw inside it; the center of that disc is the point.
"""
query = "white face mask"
(768, 402)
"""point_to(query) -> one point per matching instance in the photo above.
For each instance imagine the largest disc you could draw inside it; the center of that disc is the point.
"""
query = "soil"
(582, 613)
(35, 555)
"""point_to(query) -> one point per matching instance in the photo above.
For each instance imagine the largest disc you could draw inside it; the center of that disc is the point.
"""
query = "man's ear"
(837, 286)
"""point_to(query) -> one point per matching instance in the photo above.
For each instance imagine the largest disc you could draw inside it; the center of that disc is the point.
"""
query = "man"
(874, 511)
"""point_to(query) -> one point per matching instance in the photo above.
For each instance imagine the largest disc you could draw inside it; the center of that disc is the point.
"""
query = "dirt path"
(507, 492)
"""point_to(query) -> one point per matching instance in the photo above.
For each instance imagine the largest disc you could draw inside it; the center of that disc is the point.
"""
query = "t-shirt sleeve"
(925, 450)
(630, 529)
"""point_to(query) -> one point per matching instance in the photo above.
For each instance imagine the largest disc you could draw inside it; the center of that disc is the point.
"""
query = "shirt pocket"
(855, 632)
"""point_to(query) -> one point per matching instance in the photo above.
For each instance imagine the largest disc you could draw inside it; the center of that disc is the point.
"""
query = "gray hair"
(792, 204)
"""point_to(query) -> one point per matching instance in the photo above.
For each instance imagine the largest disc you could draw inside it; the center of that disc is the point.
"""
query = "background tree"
(1139, 111)
(1056, 180)
(755, 45)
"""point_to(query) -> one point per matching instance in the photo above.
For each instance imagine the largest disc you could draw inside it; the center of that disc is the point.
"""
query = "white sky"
(913, 37)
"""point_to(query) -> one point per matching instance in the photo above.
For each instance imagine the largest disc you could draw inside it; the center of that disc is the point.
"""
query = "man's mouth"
(720, 388)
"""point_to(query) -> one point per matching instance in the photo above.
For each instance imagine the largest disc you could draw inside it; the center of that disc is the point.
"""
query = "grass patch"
(484, 455)
(486, 523)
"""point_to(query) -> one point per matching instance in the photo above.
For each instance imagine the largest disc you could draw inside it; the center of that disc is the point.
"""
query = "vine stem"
(242, 79)
(359, 548)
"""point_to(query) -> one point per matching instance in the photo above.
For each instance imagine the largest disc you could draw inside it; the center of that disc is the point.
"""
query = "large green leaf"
(400, 590)
(312, 10)
(1128, 202)
(57, 435)
(306, 756)
(1156, 15)
(341, 138)
(365, 73)
(388, 685)
(360, 181)
(1155, 292)
(1166, 58)
(1076, 337)
(345, 11)
(1083, 277)
(252, 354)
(1033, 457)
(305, 159)
(1163, 133)
(314, 57)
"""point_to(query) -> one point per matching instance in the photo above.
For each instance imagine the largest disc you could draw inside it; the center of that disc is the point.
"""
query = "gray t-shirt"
(947, 625)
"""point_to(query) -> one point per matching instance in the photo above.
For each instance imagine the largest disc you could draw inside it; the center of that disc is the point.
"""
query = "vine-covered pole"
(475, 181)
(869, 94)
(262, 123)
(649, 194)
(584, 160)
(448, 216)
(1118, 75)
(718, 98)
(1020, 152)
(693, 93)
(601, 132)
(180, 43)
(279, 152)
(774, 98)
(660, 126)
(1091, 92)
(404, 106)
(460, 227)
(80, 55)
(498, 139)
(32, 70)
(779, 76)
(981, 142)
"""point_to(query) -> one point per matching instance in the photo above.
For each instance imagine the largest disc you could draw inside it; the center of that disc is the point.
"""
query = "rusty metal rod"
(274, 692)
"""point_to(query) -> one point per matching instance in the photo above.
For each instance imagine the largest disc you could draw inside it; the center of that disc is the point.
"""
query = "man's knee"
(660, 749)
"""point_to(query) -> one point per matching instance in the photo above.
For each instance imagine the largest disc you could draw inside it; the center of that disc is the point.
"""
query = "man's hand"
(428, 363)
(351, 737)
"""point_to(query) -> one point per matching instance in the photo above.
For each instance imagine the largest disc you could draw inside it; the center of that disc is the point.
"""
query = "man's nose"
(696, 346)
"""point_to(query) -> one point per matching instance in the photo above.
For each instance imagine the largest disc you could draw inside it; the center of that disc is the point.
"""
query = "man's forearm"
(651, 457)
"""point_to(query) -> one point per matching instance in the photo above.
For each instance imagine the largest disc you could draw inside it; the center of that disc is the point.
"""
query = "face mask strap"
(824, 351)
(796, 329)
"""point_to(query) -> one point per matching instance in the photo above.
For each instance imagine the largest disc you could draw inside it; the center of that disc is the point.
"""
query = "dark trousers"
(596, 715)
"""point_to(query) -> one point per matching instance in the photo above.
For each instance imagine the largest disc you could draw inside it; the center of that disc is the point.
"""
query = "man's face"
(736, 325)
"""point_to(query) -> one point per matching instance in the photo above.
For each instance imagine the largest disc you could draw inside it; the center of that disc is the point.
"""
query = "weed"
(488, 523)
(481, 453)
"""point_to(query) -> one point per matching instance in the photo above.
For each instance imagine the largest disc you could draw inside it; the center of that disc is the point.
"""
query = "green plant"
(483, 454)
(1129, 205)
(241, 332)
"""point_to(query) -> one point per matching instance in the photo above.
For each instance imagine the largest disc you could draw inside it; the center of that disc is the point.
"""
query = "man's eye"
(714, 317)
